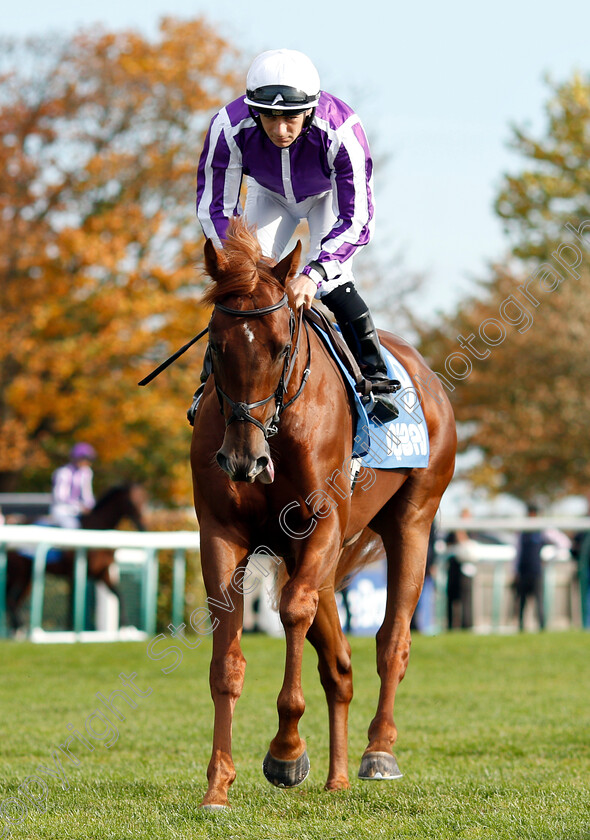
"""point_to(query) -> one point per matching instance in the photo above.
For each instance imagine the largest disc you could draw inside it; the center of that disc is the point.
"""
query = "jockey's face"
(82, 462)
(282, 130)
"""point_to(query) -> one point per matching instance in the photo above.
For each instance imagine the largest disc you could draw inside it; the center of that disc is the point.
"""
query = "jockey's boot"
(207, 370)
(361, 336)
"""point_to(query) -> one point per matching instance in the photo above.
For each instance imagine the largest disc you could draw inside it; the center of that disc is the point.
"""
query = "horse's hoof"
(286, 774)
(214, 807)
(379, 767)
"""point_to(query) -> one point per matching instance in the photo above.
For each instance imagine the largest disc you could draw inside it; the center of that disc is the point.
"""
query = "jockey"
(72, 487)
(305, 156)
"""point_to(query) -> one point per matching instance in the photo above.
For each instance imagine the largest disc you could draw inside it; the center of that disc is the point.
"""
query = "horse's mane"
(242, 265)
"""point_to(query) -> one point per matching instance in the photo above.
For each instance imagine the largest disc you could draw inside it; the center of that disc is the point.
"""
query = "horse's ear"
(287, 268)
(215, 260)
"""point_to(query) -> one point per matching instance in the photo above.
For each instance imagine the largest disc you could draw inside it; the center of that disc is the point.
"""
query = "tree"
(555, 188)
(99, 246)
(515, 357)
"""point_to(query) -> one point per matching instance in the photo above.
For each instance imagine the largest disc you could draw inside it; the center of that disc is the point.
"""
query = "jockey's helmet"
(282, 82)
(82, 452)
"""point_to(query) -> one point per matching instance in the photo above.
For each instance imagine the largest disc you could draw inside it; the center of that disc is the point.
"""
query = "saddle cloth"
(54, 555)
(402, 442)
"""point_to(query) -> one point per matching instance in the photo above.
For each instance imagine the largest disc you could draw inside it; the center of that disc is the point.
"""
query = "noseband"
(241, 410)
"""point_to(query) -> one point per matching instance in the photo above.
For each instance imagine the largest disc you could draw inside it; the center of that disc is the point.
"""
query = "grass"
(494, 744)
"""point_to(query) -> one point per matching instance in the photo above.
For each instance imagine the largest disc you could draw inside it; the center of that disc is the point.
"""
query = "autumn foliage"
(523, 401)
(99, 247)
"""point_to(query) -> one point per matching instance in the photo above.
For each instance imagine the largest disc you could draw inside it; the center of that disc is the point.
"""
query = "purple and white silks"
(71, 494)
(332, 156)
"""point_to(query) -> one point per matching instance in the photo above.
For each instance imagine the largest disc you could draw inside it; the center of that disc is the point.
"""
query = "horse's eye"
(285, 351)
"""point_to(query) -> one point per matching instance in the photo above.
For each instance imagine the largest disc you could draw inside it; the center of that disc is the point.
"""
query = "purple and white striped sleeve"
(86, 492)
(350, 160)
(219, 177)
(62, 485)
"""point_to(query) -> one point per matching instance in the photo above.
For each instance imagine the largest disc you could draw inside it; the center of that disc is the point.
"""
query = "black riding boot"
(361, 336)
(207, 369)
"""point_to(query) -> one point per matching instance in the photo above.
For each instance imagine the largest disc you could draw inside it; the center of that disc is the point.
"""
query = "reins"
(241, 410)
(151, 376)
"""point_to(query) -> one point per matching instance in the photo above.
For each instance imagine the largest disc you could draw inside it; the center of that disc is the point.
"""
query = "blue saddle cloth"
(54, 555)
(402, 442)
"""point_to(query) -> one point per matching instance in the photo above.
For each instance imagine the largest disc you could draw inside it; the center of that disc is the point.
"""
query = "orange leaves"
(99, 246)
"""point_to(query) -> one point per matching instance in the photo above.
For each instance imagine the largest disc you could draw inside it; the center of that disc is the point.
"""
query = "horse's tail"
(366, 548)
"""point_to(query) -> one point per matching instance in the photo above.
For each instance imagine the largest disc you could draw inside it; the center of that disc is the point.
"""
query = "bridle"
(240, 411)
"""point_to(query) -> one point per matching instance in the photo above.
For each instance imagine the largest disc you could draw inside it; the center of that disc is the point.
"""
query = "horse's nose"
(245, 467)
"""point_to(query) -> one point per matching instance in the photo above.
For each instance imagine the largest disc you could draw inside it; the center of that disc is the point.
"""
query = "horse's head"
(251, 336)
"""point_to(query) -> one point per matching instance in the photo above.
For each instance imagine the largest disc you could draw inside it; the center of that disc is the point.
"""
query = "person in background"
(71, 492)
(581, 554)
(529, 570)
(529, 578)
(461, 571)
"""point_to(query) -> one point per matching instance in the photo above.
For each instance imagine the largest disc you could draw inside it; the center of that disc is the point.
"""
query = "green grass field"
(494, 742)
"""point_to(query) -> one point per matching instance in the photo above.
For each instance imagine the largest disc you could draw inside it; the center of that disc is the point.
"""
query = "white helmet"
(282, 80)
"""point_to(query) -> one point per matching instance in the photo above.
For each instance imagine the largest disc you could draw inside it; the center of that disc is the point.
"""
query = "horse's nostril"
(221, 460)
(262, 463)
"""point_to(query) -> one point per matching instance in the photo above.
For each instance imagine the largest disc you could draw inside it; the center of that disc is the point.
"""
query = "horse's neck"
(330, 401)
(103, 519)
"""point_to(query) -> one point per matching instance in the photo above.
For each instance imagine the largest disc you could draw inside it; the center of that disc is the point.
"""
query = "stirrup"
(385, 386)
(378, 406)
(190, 415)
(384, 410)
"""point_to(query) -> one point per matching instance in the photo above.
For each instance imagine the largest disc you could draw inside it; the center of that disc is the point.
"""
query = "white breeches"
(64, 516)
(276, 219)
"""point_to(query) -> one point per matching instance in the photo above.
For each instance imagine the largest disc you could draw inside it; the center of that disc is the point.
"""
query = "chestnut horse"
(285, 429)
(125, 501)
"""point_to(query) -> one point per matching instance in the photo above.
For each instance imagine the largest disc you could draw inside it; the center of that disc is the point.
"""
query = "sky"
(437, 85)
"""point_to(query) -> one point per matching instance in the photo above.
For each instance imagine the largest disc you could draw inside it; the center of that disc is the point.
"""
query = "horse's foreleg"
(406, 544)
(286, 763)
(114, 586)
(18, 585)
(334, 666)
(115, 589)
(226, 676)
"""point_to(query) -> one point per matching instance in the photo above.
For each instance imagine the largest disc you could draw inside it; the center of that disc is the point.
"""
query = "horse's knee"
(298, 605)
(226, 674)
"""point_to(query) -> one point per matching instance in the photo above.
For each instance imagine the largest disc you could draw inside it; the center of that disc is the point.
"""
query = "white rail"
(39, 539)
(74, 538)
(513, 523)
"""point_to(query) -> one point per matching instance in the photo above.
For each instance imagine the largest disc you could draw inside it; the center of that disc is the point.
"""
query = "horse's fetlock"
(291, 706)
(221, 771)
